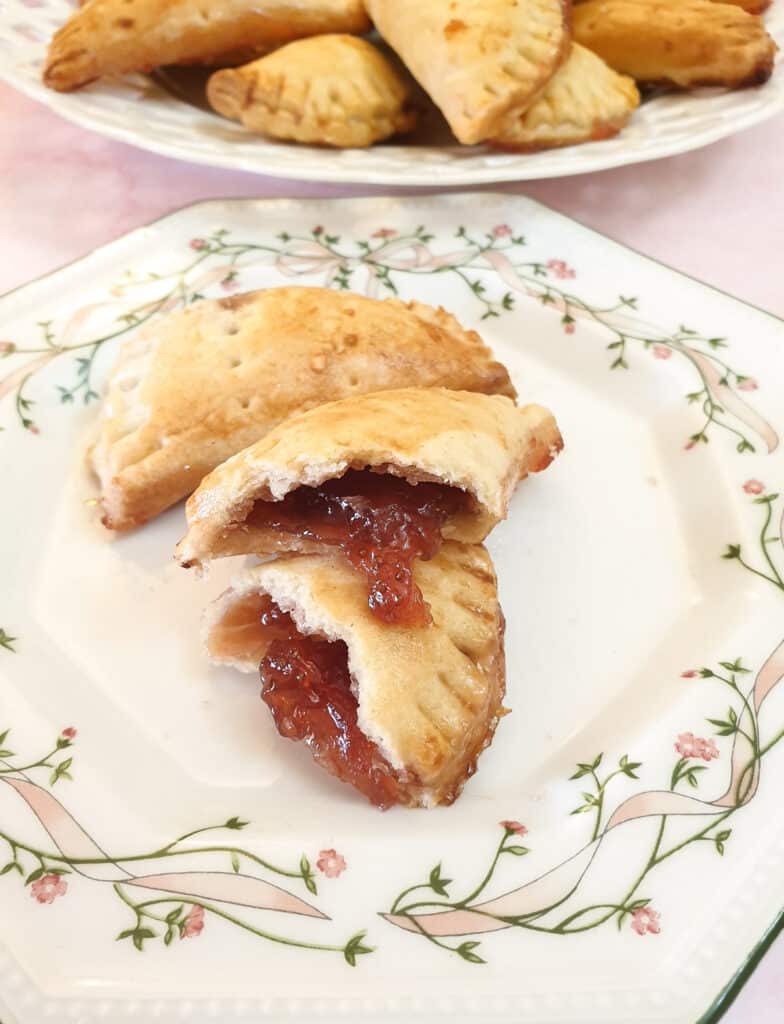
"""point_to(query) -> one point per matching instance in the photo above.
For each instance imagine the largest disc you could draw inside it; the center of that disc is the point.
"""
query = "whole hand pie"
(688, 43)
(402, 714)
(585, 100)
(115, 36)
(332, 90)
(480, 60)
(203, 383)
(383, 477)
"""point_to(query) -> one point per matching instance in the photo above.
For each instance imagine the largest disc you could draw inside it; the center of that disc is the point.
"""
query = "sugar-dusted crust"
(331, 90)
(114, 36)
(482, 444)
(478, 59)
(585, 100)
(688, 43)
(429, 697)
(203, 383)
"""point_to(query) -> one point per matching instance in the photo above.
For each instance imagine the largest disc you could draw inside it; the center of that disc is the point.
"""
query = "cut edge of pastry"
(219, 510)
(439, 777)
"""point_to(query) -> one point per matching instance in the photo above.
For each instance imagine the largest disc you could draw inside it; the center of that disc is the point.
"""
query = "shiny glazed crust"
(115, 36)
(332, 90)
(688, 43)
(585, 100)
(482, 444)
(479, 60)
(203, 383)
(429, 697)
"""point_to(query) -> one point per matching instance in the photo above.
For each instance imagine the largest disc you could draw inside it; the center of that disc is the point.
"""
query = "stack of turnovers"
(376, 626)
(514, 74)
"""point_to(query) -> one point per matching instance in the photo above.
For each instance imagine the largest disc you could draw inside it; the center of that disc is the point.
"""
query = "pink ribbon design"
(304, 257)
(77, 846)
(556, 885)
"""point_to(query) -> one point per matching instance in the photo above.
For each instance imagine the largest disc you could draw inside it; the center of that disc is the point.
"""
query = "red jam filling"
(381, 523)
(305, 682)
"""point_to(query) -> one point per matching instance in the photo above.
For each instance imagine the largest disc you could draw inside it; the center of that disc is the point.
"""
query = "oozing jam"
(382, 523)
(305, 682)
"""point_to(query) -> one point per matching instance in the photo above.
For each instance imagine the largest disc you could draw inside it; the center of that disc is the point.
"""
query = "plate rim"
(334, 173)
(434, 194)
(727, 995)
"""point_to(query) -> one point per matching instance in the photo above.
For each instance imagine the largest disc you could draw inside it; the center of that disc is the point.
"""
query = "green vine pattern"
(630, 906)
(770, 541)
(165, 917)
(7, 641)
(491, 267)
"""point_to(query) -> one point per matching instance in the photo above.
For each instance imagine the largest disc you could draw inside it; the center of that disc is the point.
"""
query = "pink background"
(717, 214)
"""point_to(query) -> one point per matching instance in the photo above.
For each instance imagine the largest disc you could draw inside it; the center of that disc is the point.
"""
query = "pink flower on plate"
(514, 826)
(687, 745)
(6, 348)
(502, 231)
(689, 445)
(384, 233)
(33, 429)
(47, 888)
(691, 673)
(230, 283)
(330, 863)
(661, 351)
(69, 733)
(754, 487)
(646, 920)
(569, 327)
(707, 750)
(318, 230)
(561, 269)
(193, 923)
(747, 384)
(198, 243)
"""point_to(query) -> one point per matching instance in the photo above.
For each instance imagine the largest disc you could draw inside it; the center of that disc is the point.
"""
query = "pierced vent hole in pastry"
(382, 524)
(306, 684)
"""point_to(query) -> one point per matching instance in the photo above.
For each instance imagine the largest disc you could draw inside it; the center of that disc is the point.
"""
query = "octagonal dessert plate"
(166, 114)
(164, 854)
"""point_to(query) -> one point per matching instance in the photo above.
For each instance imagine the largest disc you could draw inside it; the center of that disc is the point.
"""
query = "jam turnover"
(381, 524)
(379, 479)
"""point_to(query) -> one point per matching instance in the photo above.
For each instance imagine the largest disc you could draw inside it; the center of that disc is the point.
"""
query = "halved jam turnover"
(383, 478)
(400, 713)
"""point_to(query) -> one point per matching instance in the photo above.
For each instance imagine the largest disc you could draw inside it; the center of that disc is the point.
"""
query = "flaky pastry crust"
(203, 383)
(430, 698)
(688, 43)
(331, 90)
(584, 101)
(115, 36)
(479, 60)
(482, 444)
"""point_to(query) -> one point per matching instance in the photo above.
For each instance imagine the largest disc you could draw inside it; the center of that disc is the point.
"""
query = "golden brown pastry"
(479, 60)
(382, 477)
(679, 42)
(585, 100)
(201, 384)
(400, 713)
(330, 90)
(115, 36)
